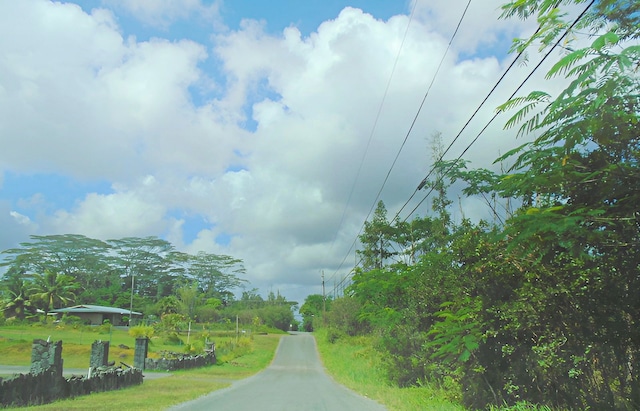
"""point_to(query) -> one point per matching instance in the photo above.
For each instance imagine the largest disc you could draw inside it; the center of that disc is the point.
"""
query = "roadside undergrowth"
(355, 363)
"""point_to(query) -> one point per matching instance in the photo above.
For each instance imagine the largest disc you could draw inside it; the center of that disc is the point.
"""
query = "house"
(97, 314)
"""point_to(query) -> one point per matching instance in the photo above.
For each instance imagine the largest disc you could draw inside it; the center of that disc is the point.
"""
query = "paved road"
(294, 381)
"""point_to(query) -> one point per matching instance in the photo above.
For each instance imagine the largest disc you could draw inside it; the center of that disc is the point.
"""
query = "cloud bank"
(278, 144)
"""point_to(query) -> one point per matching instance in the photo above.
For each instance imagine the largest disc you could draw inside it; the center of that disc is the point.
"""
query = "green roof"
(94, 309)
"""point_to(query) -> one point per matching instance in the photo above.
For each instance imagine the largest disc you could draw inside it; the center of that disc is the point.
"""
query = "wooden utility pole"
(324, 302)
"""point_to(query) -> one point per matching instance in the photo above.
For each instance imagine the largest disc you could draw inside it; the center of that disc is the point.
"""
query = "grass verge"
(180, 386)
(353, 362)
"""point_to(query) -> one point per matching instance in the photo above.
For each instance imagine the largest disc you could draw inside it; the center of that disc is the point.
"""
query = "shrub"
(195, 347)
(141, 331)
(72, 320)
(172, 339)
(231, 349)
(172, 321)
(334, 335)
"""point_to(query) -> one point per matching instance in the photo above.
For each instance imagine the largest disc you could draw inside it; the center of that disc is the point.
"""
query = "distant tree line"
(540, 305)
(147, 274)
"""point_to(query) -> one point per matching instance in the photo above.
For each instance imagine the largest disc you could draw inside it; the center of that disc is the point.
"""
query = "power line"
(375, 124)
(498, 112)
(415, 118)
(421, 185)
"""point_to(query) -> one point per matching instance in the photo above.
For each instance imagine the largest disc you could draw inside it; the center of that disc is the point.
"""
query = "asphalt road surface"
(295, 381)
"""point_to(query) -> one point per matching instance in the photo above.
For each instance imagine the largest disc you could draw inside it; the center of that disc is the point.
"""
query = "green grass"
(356, 364)
(15, 343)
(153, 394)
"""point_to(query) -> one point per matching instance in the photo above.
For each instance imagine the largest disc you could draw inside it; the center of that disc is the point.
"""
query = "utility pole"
(324, 302)
(133, 276)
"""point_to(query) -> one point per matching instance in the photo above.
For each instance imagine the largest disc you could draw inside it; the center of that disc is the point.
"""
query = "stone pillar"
(99, 354)
(46, 356)
(140, 354)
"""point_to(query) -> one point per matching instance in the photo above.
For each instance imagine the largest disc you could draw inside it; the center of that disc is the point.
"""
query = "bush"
(344, 316)
(207, 313)
(195, 347)
(141, 331)
(172, 339)
(172, 321)
(231, 349)
(72, 320)
(334, 335)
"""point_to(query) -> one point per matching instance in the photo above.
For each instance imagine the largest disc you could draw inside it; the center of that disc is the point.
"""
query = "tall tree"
(81, 257)
(217, 275)
(142, 263)
(568, 317)
(312, 310)
(190, 298)
(376, 239)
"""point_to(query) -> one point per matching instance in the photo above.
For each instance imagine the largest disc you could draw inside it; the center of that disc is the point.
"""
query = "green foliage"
(333, 335)
(207, 314)
(537, 309)
(195, 347)
(563, 315)
(277, 316)
(230, 349)
(376, 239)
(172, 338)
(458, 334)
(173, 321)
(141, 331)
(51, 290)
(521, 406)
(16, 304)
(113, 272)
(189, 298)
(168, 305)
(344, 316)
(312, 310)
(72, 320)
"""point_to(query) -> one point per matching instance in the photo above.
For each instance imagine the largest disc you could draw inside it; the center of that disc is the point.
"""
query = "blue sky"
(248, 128)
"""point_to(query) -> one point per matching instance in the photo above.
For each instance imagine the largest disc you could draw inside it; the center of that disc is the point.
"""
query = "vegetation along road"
(295, 380)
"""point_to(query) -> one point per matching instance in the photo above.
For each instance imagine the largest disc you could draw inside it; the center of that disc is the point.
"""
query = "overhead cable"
(415, 118)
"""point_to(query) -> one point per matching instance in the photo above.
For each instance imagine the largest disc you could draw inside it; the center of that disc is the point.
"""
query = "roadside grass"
(353, 362)
(16, 340)
(15, 343)
(180, 386)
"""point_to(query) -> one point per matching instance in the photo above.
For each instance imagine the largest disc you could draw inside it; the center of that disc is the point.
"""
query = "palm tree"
(17, 304)
(53, 290)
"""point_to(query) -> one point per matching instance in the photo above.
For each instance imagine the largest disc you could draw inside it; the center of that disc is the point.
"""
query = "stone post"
(99, 354)
(140, 354)
(46, 356)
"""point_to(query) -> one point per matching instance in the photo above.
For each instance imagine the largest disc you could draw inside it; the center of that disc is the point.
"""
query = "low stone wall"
(31, 389)
(45, 382)
(25, 389)
(108, 379)
(180, 362)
